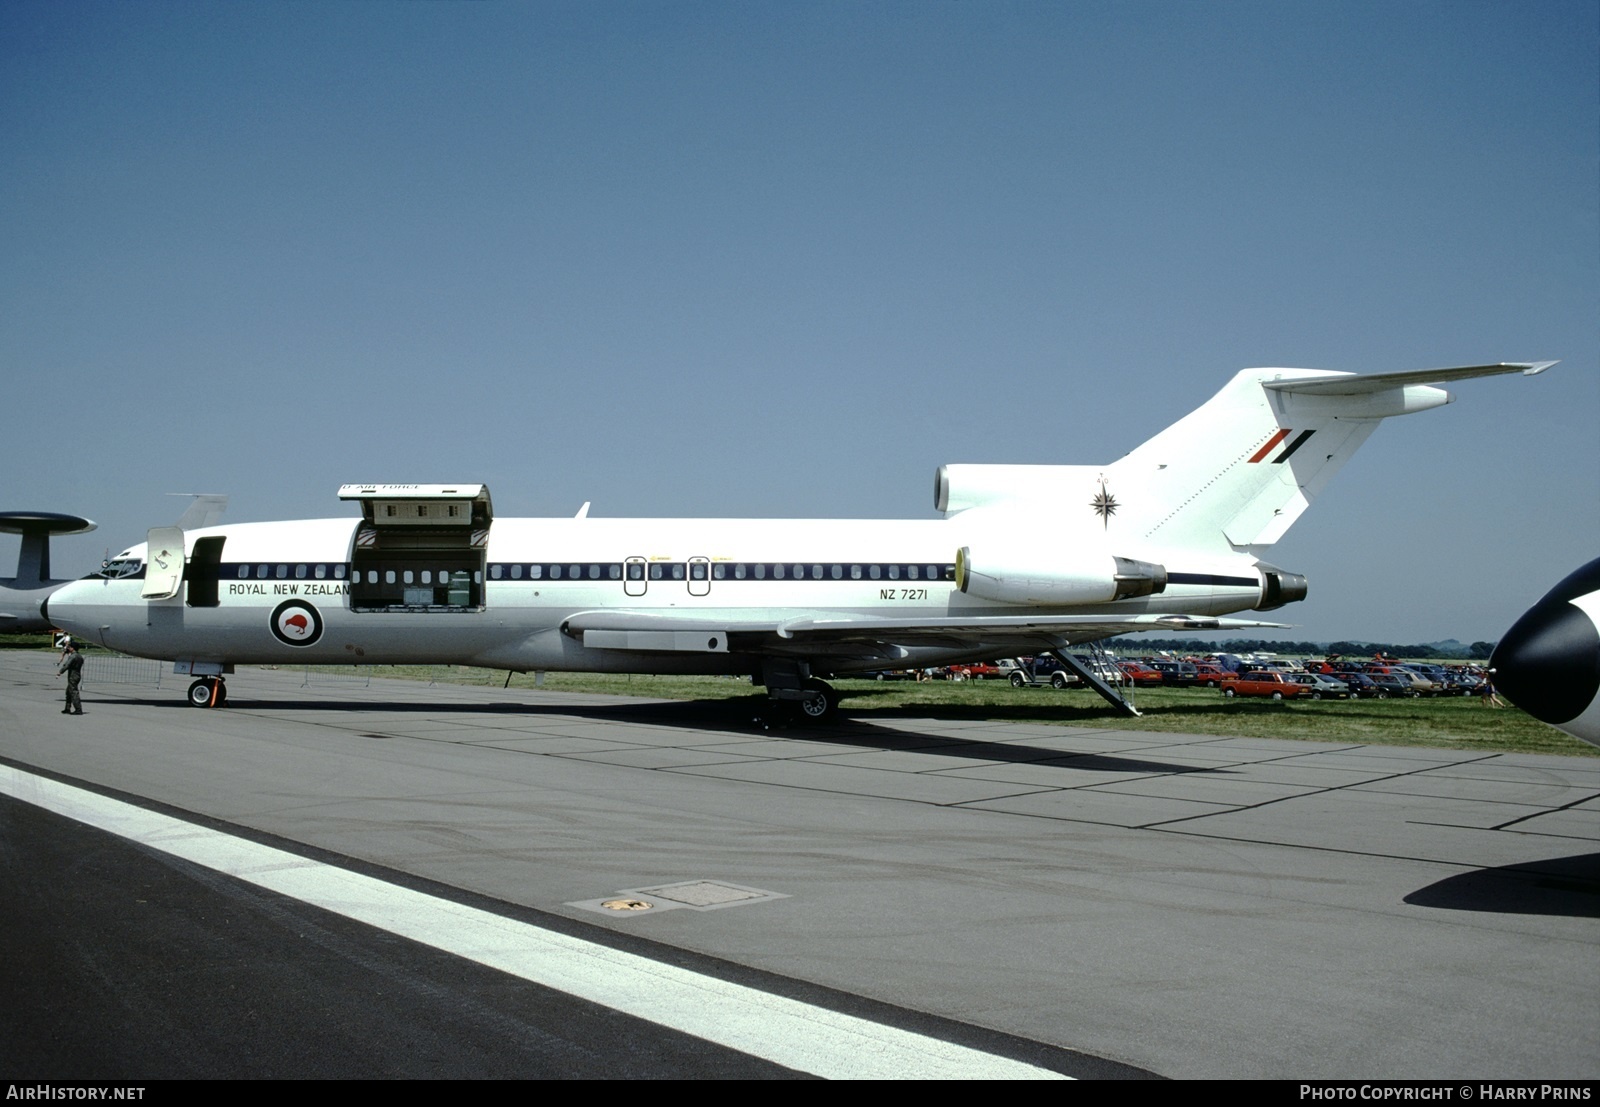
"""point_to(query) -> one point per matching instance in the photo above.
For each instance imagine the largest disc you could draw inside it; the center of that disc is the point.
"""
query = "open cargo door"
(420, 547)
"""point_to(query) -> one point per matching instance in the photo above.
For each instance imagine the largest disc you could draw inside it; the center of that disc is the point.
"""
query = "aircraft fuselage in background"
(22, 596)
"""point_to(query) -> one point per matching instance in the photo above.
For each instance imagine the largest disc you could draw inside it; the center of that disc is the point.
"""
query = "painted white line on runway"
(783, 1031)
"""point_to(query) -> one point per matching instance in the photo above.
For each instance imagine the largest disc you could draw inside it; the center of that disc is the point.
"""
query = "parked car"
(1105, 670)
(1321, 687)
(1393, 685)
(1419, 683)
(1177, 674)
(1139, 674)
(1025, 671)
(1211, 675)
(1459, 682)
(1272, 684)
(1362, 687)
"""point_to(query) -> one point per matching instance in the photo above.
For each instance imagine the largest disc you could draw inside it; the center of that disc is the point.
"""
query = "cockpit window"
(120, 568)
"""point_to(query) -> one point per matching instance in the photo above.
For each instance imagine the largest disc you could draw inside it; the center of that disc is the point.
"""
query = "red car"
(1214, 676)
(1273, 684)
(1141, 676)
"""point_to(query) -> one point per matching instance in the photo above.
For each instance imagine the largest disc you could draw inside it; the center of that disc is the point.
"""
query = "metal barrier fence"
(103, 667)
(346, 676)
(361, 675)
(464, 674)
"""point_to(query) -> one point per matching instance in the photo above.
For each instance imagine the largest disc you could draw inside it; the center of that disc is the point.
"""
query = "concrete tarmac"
(1185, 905)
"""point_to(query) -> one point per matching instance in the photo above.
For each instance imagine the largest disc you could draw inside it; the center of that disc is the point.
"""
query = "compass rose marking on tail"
(1104, 504)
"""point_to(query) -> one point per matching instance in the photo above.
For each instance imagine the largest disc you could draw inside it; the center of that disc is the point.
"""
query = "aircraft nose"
(1548, 663)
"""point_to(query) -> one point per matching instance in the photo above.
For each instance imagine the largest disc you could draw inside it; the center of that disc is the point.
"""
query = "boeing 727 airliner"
(1027, 558)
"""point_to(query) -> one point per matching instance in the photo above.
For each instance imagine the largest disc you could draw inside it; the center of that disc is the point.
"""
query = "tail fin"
(1237, 472)
(1231, 476)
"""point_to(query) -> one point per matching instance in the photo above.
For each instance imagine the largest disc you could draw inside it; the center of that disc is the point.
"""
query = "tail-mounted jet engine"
(1279, 587)
(1051, 577)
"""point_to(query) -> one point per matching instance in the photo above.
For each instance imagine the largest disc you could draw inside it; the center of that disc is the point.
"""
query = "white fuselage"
(538, 573)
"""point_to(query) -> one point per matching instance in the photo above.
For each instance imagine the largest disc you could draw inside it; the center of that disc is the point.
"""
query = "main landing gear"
(820, 702)
(209, 691)
(790, 683)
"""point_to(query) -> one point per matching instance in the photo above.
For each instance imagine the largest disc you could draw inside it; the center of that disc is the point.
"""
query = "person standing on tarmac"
(72, 665)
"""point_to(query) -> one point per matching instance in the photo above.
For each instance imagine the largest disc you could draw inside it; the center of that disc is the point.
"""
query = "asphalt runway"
(1089, 902)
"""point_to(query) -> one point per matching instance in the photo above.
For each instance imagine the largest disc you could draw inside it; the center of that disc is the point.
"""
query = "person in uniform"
(72, 665)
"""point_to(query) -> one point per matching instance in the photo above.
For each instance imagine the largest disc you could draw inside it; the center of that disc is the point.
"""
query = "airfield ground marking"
(784, 1031)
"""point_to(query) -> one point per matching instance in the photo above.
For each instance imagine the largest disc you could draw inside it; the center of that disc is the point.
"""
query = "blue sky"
(785, 259)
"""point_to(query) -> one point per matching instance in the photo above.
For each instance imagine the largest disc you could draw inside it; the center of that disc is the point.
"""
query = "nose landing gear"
(208, 692)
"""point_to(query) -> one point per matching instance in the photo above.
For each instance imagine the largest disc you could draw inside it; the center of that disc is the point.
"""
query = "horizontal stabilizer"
(1358, 384)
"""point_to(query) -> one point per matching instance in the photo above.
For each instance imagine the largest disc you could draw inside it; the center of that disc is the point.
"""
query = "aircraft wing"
(1355, 384)
(842, 634)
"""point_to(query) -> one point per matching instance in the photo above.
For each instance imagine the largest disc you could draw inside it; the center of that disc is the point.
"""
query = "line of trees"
(1477, 651)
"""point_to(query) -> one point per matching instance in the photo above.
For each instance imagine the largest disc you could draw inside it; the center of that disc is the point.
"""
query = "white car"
(1320, 686)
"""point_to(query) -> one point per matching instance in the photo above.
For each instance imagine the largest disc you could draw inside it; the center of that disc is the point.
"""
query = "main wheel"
(1018, 680)
(820, 703)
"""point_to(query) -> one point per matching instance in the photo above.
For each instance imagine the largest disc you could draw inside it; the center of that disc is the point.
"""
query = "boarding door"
(633, 576)
(699, 576)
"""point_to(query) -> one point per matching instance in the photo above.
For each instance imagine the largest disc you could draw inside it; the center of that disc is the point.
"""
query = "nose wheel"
(208, 692)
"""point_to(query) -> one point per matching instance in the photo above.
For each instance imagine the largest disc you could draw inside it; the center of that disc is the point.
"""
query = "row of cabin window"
(700, 570)
(673, 570)
(339, 572)
(740, 570)
(410, 576)
(298, 572)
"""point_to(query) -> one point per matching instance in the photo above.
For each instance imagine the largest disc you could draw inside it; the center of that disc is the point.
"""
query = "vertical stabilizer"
(1237, 472)
(1230, 477)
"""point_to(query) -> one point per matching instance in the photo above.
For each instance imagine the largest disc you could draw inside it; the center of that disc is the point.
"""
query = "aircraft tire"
(200, 693)
(821, 702)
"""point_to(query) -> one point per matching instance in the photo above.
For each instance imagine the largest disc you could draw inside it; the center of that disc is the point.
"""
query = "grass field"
(1454, 723)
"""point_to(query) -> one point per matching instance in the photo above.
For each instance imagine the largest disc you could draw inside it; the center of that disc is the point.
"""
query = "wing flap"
(835, 633)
